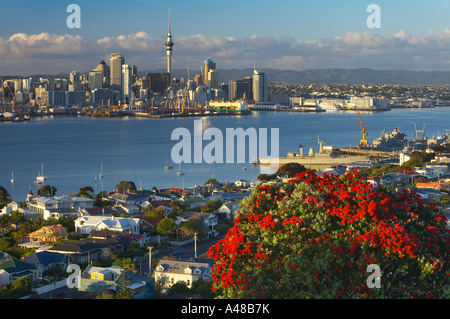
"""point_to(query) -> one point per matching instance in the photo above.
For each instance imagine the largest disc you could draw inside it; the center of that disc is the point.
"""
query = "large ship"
(326, 157)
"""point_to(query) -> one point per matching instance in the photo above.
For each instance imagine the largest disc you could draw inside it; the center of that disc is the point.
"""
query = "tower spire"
(169, 20)
(169, 45)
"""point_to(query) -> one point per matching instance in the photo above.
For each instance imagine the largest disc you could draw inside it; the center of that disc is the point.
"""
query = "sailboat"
(101, 171)
(12, 177)
(180, 172)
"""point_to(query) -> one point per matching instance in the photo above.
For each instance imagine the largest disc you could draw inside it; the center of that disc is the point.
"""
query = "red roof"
(152, 220)
(134, 236)
(158, 203)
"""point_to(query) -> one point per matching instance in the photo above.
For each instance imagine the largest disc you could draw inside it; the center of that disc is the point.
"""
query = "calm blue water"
(72, 149)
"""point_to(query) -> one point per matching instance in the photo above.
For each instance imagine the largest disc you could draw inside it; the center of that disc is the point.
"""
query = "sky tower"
(169, 45)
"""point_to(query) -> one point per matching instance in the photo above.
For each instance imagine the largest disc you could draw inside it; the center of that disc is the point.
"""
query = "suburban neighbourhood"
(147, 244)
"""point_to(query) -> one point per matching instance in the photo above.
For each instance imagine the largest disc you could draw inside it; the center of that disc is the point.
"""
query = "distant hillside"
(338, 76)
(323, 76)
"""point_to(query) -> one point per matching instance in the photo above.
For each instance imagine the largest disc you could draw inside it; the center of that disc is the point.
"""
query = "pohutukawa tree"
(315, 238)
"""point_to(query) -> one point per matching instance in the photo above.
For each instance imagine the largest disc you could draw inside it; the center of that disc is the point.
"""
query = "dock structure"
(365, 152)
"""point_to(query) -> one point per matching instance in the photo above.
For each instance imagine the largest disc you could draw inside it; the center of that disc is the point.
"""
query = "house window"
(188, 282)
(172, 281)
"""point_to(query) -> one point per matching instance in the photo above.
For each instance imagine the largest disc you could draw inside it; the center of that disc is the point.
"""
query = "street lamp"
(50, 284)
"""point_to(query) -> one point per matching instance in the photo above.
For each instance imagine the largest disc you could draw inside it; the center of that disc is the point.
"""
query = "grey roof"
(178, 267)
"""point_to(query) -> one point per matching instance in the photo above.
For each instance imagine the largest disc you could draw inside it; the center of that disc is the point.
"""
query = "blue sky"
(288, 34)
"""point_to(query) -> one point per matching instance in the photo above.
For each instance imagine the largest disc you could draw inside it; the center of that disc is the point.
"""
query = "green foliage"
(179, 288)
(290, 170)
(193, 225)
(47, 190)
(124, 186)
(418, 158)
(212, 205)
(166, 226)
(4, 193)
(211, 181)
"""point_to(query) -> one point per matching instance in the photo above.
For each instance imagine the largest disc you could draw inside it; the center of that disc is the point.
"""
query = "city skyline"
(296, 35)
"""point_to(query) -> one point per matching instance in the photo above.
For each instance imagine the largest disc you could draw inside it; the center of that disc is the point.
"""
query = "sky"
(283, 34)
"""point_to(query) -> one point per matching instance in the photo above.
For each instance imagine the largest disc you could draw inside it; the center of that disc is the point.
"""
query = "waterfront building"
(260, 87)
(95, 80)
(213, 79)
(102, 97)
(74, 84)
(116, 62)
(155, 83)
(367, 103)
(239, 89)
(75, 98)
(56, 98)
(127, 83)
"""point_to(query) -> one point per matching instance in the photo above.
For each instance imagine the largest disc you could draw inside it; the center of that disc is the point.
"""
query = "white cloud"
(44, 52)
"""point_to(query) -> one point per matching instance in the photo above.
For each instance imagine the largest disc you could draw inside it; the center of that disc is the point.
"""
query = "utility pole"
(195, 245)
(150, 259)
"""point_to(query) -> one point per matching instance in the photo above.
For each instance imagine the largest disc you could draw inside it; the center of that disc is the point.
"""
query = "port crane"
(362, 142)
(419, 131)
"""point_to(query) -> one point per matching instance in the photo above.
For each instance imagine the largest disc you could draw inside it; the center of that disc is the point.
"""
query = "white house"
(12, 269)
(54, 207)
(229, 208)
(86, 224)
(13, 206)
(169, 272)
(242, 183)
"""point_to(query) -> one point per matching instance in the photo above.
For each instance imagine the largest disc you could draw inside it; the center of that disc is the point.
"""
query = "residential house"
(97, 211)
(80, 252)
(162, 204)
(374, 180)
(193, 202)
(129, 198)
(48, 260)
(51, 233)
(149, 224)
(229, 209)
(126, 209)
(141, 240)
(433, 185)
(86, 224)
(95, 279)
(242, 183)
(12, 269)
(169, 272)
(4, 256)
(55, 207)
(12, 206)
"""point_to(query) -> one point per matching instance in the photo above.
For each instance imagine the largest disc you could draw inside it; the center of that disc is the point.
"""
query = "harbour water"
(72, 150)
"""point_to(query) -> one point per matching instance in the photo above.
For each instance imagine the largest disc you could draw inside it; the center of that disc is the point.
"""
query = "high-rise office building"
(105, 70)
(213, 79)
(127, 83)
(95, 80)
(155, 83)
(208, 65)
(240, 89)
(169, 45)
(116, 62)
(260, 87)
